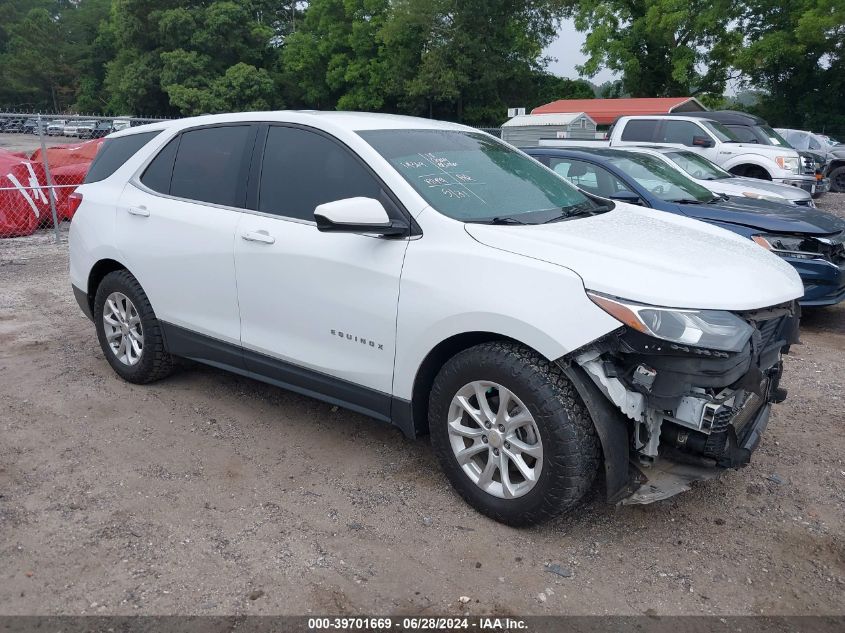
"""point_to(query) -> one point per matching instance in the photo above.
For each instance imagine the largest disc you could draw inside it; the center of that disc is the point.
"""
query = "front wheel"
(512, 434)
(837, 179)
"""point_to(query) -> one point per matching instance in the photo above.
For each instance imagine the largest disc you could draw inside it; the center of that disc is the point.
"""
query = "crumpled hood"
(654, 257)
(767, 216)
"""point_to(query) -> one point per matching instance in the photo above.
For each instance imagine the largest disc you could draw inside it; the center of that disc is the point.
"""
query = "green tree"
(184, 57)
(547, 87)
(465, 60)
(795, 51)
(36, 68)
(336, 56)
(661, 48)
(476, 57)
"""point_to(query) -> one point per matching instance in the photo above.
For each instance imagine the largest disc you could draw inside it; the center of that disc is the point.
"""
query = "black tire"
(837, 179)
(155, 362)
(571, 448)
(751, 171)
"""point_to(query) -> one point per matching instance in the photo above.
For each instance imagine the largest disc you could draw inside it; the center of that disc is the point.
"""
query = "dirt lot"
(213, 494)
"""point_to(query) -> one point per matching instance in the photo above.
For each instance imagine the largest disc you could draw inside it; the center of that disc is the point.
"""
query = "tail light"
(73, 202)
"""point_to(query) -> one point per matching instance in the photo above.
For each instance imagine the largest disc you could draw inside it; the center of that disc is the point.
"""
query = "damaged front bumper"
(686, 413)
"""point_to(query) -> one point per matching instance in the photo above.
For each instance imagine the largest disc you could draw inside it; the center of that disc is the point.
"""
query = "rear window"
(639, 130)
(114, 153)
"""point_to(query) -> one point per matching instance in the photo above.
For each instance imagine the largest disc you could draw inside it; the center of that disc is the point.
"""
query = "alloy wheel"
(122, 325)
(495, 439)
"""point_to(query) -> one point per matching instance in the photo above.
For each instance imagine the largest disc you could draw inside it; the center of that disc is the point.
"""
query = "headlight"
(711, 329)
(789, 246)
(789, 163)
(757, 196)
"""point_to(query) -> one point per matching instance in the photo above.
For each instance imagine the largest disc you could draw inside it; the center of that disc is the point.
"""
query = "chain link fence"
(43, 159)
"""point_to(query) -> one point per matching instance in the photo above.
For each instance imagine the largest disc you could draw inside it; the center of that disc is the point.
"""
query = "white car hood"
(764, 187)
(763, 150)
(654, 257)
(729, 188)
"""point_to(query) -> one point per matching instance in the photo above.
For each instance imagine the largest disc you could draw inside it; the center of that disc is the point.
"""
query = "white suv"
(429, 275)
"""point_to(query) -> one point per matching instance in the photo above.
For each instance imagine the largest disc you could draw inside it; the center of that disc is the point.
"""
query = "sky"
(567, 49)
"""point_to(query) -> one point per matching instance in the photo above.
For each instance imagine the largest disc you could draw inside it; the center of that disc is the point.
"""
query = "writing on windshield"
(470, 176)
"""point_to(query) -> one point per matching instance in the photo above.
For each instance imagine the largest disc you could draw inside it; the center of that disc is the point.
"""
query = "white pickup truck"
(710, 139)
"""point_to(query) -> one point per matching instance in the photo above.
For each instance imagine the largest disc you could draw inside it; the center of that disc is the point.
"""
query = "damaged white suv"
(430, 276)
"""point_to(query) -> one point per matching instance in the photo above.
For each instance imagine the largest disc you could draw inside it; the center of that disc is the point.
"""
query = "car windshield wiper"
(687, 201)
(576, 211)
(506, 220)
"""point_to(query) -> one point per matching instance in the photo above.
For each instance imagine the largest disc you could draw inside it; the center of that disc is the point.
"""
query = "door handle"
(259, 236)
(141, 211)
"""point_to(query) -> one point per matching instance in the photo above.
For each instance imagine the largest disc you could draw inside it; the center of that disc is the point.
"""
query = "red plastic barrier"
(64, 155)
(23, 203)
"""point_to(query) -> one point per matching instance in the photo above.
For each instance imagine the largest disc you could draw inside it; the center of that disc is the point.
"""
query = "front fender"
(755, 159)
(455, 285)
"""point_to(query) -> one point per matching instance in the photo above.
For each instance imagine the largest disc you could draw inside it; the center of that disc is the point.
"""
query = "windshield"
(665, 182)
(721, 132)
(774, 137)
(472, 177)
(697, 166)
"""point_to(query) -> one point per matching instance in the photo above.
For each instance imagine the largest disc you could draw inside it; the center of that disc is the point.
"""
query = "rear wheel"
(512, 434)
(129, 333)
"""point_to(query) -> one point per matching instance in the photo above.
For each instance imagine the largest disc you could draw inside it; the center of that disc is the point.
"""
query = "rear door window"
(114, 153)
(587, 176)
(639, 130)
(211, 165)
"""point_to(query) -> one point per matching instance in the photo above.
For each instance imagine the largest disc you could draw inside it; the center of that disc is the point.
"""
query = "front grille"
(809, 164)
(771, 331)
(749, 408)
(805, 203)
(774, 325)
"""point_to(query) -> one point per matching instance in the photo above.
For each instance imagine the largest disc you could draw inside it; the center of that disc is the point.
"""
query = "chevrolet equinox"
(433, 277)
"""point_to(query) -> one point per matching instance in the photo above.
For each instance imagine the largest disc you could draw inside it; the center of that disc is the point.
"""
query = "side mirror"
(701, 141)
(626, 196)
(356, 215)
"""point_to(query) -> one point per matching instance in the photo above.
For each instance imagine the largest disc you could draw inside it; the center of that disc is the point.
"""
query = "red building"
(606, 111)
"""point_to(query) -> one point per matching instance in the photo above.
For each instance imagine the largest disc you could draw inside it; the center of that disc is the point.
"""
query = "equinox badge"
(358, 339)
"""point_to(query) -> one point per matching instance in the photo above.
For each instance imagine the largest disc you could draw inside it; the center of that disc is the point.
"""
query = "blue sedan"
(811, 240)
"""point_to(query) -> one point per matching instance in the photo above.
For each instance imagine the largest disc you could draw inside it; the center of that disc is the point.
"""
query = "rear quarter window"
(639, 130)
(160, 170)
(114, 153)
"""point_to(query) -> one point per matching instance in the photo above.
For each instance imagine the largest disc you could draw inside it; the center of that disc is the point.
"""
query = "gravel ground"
(833, 202)
(209, 493)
